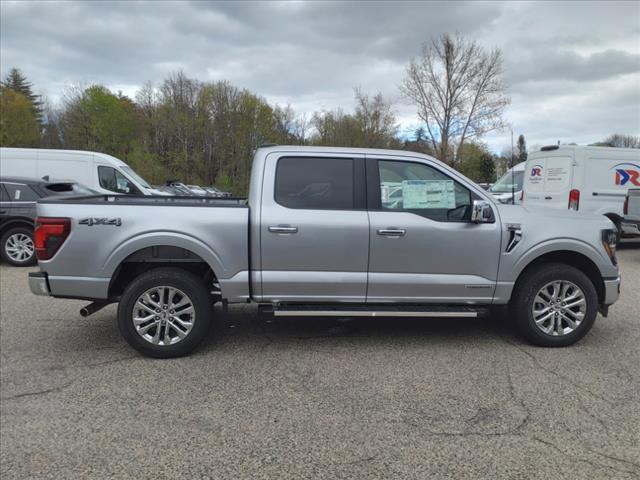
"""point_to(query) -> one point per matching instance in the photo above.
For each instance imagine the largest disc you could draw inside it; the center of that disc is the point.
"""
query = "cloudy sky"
(573, 69)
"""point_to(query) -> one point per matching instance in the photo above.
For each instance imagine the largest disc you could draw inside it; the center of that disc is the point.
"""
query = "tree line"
(206, 132)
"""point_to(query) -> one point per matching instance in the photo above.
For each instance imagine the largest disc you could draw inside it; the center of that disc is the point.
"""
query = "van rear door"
(548, 181)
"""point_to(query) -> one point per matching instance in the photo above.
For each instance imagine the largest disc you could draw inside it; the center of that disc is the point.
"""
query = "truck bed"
(106, 230)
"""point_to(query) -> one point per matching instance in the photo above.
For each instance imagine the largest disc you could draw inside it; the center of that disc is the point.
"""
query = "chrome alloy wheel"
(559, 308)
(163, 315)
(19, 247)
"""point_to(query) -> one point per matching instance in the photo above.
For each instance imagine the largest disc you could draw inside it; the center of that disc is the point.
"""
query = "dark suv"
(18, 197)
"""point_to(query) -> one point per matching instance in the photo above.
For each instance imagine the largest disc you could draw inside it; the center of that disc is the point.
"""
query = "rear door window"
(4, 196)
(315, 183)
(21, 193)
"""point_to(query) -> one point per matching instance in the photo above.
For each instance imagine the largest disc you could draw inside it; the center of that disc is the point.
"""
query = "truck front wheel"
(555, 305)
(165, 312)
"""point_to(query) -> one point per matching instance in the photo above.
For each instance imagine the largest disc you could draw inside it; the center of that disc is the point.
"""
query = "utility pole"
(513, 185)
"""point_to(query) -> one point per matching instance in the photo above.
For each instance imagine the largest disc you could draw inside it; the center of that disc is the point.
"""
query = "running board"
(373, 311)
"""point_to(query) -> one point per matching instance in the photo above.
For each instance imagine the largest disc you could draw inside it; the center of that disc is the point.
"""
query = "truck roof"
(354, 150)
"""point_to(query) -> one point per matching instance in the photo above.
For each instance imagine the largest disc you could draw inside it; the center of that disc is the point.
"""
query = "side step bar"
(421, 311)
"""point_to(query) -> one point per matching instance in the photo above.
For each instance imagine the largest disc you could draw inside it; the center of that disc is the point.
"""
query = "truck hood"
(505, 197)
(555, 222)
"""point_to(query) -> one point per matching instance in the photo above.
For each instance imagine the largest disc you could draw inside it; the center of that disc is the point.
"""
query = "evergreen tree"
(18, 124)
(522, 149)
(17, 82)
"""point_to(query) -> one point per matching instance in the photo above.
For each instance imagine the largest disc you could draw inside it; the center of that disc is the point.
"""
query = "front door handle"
(392, 232)
(283, 229)
(548, 198)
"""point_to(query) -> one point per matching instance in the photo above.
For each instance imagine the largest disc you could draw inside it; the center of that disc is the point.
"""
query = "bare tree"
(621, 141)
(458, 89)
(376, 119)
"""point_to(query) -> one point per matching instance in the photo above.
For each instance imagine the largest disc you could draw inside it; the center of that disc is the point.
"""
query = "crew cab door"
(423, 246)
(5, 204)
(314, 229)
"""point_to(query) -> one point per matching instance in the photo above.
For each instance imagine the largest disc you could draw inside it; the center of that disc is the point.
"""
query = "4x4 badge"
(90, 222)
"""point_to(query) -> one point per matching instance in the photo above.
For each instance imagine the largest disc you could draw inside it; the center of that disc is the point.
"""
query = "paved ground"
(309, 398)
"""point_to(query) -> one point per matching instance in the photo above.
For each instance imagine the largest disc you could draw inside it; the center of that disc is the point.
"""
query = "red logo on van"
(627, 172)
(536, 171)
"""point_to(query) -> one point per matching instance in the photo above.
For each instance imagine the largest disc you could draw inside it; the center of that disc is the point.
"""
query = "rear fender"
(171, 239)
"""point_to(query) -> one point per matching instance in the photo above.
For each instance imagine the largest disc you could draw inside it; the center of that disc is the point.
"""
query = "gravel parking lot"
(306, 398)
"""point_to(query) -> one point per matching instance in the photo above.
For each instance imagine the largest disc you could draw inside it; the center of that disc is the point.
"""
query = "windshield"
(129, 171)
(510, 181)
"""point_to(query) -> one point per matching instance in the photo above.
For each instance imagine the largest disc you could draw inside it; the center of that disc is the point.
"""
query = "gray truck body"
(262, 251)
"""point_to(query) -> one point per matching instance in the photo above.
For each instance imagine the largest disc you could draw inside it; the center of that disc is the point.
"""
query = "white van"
(98, 171)
(508, 188)
(586, 179)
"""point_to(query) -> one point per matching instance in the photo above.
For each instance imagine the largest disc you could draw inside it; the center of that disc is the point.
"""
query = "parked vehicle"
(320, 235)
(197, 190)
(631, 211)
(18, 198)
(179, 189)
(508, 188)
(98, 171)
(214, 192)
(585, 179)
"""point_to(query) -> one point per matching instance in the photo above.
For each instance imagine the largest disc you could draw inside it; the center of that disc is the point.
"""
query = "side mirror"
(481, 212)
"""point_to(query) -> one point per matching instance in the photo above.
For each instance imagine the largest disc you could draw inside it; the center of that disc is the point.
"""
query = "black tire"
(4, 244)
(191, 285)
(527, 289)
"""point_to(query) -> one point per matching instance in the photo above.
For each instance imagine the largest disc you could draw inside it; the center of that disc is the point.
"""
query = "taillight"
(625, 209)
(574, 199)
(49, 235)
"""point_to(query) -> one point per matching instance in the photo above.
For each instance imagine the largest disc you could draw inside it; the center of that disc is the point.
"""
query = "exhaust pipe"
(93, 308)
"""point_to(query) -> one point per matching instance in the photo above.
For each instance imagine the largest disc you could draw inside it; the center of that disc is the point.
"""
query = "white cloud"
(573, 67)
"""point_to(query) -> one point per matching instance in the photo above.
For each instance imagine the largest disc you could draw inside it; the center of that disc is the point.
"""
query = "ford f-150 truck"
(327, 232)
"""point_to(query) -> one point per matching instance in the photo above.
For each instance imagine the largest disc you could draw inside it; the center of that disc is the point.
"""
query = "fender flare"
(17, 222)
(163, 238)
(559, 245)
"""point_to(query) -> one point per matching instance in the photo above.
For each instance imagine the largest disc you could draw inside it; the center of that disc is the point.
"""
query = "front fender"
(604, 265)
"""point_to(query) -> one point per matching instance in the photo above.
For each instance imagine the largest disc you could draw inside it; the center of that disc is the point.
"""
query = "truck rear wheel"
(165, 312)
(555, 305)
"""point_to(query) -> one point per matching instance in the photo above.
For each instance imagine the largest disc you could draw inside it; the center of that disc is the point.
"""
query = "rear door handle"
(283, 229)
(548, 198)
(392, 232)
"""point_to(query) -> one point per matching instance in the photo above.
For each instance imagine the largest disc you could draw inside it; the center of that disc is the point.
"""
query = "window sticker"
(16, 195)
(384, 193)
(429, 194)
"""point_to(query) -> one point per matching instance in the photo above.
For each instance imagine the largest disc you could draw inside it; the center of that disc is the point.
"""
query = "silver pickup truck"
(327, 232)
